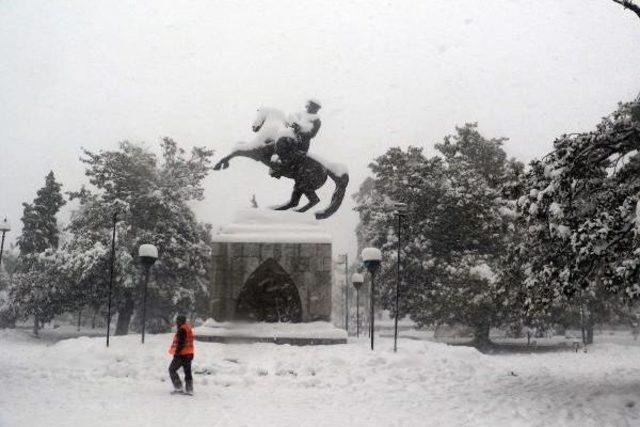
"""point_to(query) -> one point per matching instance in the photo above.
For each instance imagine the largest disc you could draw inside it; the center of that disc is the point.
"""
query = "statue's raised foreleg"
(313, 200)
(255, 154)
(295, 199)
(223, 163)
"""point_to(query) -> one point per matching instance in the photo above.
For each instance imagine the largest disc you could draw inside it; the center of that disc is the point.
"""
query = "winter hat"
(315, 102)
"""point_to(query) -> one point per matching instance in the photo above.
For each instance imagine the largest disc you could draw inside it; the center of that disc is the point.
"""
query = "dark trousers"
(183, 362)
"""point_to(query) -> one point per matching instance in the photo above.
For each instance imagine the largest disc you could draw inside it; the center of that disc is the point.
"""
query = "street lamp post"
(111, 263)
(148, 255)
(401, 210)
(357, 279)
(372, 258)
(5, 226)
(345, 259)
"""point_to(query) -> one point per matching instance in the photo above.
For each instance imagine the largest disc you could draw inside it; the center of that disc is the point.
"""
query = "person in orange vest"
(182, 350)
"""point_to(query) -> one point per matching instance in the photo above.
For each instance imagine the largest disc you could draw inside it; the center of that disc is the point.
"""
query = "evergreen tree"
(35, 290)
(40, 227)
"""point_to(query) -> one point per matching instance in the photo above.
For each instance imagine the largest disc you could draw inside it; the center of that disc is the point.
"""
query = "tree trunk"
(481, 336)
(93, 319)
(125, 312)
(582, 325)
(589, 329)
(36, 326)
(587, 325)
(79, 319)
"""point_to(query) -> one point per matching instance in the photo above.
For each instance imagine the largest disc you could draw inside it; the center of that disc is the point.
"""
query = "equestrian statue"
(282, 144)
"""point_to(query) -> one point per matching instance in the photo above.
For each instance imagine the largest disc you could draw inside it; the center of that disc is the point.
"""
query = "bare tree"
(629, 4)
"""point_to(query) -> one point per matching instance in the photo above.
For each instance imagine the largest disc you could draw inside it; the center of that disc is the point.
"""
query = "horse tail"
(341, 182)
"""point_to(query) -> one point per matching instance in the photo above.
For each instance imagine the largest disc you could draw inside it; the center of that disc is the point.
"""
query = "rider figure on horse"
(305, 126)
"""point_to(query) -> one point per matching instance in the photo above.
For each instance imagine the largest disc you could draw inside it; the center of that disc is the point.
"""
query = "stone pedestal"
(271, 266)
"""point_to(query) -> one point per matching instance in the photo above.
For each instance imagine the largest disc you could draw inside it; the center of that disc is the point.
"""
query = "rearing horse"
(274, 146)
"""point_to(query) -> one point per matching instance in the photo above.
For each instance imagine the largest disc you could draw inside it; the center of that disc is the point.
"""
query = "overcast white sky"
(89, 74)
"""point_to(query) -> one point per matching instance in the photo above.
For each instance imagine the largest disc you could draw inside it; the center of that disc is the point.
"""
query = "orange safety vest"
(188, 343)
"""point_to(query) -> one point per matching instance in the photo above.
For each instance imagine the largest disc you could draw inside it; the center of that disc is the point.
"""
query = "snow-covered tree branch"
(629, 4)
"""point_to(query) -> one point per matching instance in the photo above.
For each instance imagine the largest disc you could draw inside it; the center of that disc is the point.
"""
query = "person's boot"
(189, 388)
(177, 387)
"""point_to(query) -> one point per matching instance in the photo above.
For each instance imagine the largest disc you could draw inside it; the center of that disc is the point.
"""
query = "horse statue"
(275, 146)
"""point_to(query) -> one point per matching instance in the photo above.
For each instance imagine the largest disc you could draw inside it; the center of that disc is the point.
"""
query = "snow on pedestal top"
(317, 330)
(269, 226)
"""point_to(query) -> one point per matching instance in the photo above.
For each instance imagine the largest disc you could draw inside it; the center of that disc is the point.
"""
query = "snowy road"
(78, 382)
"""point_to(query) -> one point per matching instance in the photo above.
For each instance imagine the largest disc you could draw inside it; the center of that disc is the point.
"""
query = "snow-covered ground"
(78, 382)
